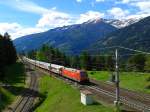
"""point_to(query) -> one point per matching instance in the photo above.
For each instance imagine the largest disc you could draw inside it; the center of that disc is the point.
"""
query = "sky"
(23, 17)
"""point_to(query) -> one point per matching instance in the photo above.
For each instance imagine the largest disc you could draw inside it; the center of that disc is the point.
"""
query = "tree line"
(8, 54)
(137, 62)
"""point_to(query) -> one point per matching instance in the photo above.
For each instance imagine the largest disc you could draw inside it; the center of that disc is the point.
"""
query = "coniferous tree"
(137, 62)
(147, 64)
(85, 61)
(109, 63)
(10, 51)
(8, 54)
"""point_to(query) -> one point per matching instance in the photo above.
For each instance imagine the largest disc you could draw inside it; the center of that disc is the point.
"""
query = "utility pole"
(35, 63)
(25, 69)
(117, 101)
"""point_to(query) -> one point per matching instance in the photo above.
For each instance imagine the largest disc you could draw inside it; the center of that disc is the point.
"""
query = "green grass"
(14, 76)
(62, 97)
(130, 80)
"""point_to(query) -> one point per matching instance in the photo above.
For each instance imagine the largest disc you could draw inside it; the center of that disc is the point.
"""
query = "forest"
(86, 61)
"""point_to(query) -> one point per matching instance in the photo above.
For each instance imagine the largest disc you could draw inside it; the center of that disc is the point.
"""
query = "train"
(77, 75)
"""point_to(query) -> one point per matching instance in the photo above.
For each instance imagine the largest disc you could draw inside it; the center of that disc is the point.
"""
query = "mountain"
(71, 39)
(121, 23)
(136, 36)
(116, 22)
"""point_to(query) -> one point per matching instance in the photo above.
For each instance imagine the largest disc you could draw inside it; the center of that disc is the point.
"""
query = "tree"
(8, 53)
(147, 64)
(40, 56)
(109, 63)
(137, 62)
(75, 61)
(32, 54)
(99, 62)
(85, 61)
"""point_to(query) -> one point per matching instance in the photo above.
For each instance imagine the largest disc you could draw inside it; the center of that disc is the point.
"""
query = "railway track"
(129, 98)
(145, 98)
(139, 99)
(126, 101)
(25, 102)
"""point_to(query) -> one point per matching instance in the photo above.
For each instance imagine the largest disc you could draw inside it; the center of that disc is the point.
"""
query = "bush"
(148, 79)
(147, 86)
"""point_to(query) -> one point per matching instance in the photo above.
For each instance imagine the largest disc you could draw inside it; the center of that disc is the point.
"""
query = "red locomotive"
(73, 74)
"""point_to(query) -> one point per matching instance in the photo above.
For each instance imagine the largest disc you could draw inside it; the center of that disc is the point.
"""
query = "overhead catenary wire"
(111, 47)
(143, 52)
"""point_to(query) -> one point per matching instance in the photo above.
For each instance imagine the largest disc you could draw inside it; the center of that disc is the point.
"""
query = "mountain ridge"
(135, 36)
(68, 38)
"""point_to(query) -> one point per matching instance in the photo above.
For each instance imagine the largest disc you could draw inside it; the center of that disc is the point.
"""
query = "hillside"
(72, 39)
(135, 36)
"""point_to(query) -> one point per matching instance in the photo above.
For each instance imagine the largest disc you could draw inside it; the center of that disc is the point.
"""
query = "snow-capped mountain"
(122, 23)
(72, 39)
(135, 36)
(115, 22)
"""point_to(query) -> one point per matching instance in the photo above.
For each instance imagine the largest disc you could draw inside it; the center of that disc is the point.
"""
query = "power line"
(93, 49)
(133, 50)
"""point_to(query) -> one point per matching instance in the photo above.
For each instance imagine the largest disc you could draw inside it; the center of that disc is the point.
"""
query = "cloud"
(48, 21)
(79, 1)
(26, 31)
(124, 1)
(50, 18)
(16, 30)
(10, 28)
(138, 16)
(54, 19)
(143, 6)
(129, 1)
(118, 13)
(99, 0)
(25, 5)
(89, 15)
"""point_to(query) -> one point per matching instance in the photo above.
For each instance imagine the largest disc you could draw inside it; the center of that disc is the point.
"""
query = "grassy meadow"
(61, 97)
(131, 80)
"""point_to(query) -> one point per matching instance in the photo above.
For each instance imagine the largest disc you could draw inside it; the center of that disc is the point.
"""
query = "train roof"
(57, 66)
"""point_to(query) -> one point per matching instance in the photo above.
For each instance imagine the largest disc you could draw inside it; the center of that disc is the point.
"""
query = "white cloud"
(118, 13)
(138, 16)
(48, 20)
(129, 2)
(54, 19)
(143, 6)
(11, 28)
(89, 15)
(16, 30)
(51, 18)
(99, 0)
(26, 31)
(79, 1)
(25, 5)
(125, 1)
